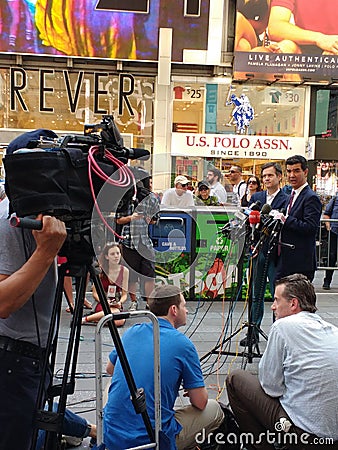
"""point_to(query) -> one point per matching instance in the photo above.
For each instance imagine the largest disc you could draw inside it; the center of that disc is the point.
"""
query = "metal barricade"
(324, 243)
(157, 376)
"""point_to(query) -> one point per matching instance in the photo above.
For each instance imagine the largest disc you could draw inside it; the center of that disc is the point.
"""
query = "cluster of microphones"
(265, 220)
(262, 219)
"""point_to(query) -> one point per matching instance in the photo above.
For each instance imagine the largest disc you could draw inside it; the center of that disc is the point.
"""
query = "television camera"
(63, 176)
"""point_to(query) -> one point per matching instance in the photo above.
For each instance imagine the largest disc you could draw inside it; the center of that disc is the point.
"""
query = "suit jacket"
(279, 202)
(300, 229)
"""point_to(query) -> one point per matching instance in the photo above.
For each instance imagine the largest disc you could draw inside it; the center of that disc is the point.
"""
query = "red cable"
(126, 179)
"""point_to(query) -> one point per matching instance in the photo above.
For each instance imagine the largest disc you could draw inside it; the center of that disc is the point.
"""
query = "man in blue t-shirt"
(123, 428)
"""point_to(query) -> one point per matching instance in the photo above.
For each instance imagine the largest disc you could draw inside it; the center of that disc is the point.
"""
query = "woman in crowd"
(203, 196)
(114, 278)
(253, 185)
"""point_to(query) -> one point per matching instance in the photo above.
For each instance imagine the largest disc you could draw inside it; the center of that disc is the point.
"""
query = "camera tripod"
(80, 256)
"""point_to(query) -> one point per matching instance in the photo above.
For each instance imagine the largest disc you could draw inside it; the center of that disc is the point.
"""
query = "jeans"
(19, 383)
(332, 257)
(259, 286)
(73, 425)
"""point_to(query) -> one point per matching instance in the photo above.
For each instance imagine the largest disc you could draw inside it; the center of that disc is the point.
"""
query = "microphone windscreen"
(254, 217)
(266, 209)
(256, 206)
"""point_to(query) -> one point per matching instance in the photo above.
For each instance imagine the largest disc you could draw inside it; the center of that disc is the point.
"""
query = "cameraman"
(137, 247)
(27, 289)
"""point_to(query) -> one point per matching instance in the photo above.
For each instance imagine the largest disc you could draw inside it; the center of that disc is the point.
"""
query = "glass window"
(244, 109)
(66, 100)
(326, 113)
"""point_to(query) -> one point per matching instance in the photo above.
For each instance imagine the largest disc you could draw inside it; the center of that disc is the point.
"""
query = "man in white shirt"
(238, 184)
(296, 393)
(178, 196)
(216, 188)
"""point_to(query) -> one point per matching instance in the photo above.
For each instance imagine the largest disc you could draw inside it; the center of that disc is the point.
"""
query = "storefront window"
(219, 108)
(66, 100)
(232, 121)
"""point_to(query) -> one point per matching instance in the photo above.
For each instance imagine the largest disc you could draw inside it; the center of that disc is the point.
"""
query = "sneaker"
(326, 286)
(133, 306)
(72, 441)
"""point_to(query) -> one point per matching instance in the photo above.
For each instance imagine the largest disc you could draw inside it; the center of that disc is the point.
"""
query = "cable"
(126, 179)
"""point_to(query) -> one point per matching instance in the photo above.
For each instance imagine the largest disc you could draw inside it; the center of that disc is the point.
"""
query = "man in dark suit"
(264, 263)
(302, 222)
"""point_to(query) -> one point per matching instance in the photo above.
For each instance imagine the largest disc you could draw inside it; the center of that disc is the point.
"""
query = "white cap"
(181, 179)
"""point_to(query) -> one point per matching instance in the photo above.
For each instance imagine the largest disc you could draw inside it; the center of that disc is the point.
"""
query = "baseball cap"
(203, 183)
(181, 179)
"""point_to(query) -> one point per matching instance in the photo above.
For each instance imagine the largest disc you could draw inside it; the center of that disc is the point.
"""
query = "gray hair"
(298, 286)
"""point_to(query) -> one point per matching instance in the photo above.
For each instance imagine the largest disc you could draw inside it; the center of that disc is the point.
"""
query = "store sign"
(236, 146)
(124, 87)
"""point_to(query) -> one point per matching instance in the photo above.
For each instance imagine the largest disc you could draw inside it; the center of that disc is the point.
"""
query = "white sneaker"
(133, 306)
(72, 441)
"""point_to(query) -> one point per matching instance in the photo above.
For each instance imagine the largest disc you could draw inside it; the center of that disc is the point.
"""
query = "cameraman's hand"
(52, 236)
(17, 288)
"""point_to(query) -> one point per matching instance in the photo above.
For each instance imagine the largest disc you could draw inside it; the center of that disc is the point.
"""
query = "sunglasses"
(233, 171)
(203, 188)
(252, 182)
(184, 184)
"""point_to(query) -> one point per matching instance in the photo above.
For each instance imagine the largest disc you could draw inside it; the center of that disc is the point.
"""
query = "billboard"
(286, 40)
(118, 29)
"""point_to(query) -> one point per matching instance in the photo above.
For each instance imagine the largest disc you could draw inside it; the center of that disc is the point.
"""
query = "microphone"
(28, 223)
(276, 222)
(130, 153)
(266, 209)
(265, 217)
(254, 207)
(278, 215)
(25, 222)
(254, 220)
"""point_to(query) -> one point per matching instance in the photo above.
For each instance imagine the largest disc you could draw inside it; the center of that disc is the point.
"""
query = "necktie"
(291, 201)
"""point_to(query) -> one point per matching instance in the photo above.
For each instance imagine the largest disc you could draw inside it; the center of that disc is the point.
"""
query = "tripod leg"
(137, 395)
(49, 420)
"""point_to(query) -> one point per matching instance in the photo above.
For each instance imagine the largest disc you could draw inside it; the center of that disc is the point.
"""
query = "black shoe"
(326, 286)
(245, 341)
(92, 442)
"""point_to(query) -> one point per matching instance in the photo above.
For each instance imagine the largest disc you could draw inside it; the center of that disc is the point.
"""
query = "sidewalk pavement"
(209, 326)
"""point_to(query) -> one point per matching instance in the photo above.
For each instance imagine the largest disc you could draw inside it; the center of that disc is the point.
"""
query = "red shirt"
(314, 15)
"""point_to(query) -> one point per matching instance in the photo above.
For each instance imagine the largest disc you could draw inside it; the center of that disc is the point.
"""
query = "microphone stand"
(252, 350)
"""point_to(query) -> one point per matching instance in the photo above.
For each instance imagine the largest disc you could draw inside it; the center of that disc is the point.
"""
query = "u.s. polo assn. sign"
(236, 146)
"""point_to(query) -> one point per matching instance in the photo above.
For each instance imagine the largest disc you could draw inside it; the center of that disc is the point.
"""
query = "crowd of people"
(296, 389)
